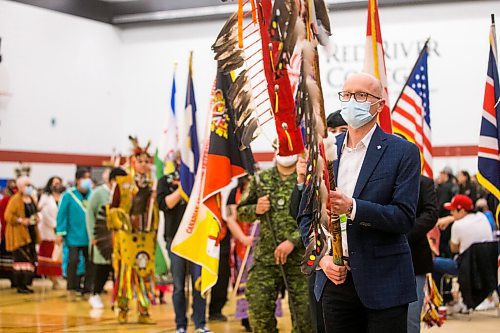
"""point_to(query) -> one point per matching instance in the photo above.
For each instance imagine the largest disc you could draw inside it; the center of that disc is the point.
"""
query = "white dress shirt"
(351, 160)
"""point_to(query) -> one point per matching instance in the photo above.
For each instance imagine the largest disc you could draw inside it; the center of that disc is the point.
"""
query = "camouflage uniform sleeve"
(247, 204)
(295, 238)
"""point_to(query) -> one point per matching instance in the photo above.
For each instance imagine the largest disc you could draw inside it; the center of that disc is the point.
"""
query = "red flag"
(375, 61)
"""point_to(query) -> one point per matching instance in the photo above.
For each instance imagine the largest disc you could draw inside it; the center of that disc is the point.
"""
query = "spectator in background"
(482, 206)
(171, 203)
(469, 227)
(71, 228)
(427, 215)
(22, 234)
(445, 191)
(48, 206)
(241, 234)
(335, 123)
(102, 267)
(240, 246)
(6, 256)
(465, 185)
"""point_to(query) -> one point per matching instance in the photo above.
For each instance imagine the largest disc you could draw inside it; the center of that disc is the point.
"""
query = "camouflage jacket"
(278, 216)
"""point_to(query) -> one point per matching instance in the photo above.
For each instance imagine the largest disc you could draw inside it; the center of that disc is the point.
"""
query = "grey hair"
(22, 181)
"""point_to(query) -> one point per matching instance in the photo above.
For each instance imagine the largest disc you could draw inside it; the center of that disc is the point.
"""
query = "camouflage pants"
(263, 285)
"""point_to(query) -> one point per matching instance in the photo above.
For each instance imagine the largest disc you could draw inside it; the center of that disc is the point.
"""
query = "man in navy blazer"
(377, 188)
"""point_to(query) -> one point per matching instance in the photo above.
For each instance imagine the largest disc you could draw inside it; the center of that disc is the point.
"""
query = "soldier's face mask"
(286, 161)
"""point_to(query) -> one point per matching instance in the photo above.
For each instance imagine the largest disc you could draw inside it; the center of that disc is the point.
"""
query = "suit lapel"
(374, 152)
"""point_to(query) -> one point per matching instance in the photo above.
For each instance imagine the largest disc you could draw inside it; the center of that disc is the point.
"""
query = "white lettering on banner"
(345, 59)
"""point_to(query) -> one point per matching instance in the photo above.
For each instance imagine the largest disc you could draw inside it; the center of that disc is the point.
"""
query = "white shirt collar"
(365, 141)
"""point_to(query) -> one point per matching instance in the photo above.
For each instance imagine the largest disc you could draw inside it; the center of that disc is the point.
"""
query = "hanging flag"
(202, 228)
(488, 158)
(190, 151)
(489, 139)
(411, 113)
(167, 144)
(375, 61)
(164, 164)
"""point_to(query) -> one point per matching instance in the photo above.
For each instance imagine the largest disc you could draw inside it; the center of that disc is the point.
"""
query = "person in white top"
(469, 227)
(48, 206)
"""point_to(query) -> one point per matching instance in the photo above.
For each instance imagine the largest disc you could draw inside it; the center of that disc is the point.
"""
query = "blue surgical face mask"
(86, 184)
(356, 114)
(28, 190)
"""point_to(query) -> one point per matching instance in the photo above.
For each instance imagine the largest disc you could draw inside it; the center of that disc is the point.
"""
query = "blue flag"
(190, 150)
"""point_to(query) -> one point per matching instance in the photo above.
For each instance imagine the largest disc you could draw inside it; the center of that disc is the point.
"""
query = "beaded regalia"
(133, 217)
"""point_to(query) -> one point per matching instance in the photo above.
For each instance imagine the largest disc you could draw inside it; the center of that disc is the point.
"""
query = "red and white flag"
(375, 61)
(411, 115)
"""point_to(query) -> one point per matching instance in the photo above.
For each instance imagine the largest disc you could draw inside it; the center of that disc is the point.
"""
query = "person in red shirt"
(5, 256)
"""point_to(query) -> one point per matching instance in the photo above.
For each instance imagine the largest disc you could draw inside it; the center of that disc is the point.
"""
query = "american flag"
(411, 115)
(489, 140)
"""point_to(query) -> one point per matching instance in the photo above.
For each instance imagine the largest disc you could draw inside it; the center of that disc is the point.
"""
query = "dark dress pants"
(316, 307)
(344, 312)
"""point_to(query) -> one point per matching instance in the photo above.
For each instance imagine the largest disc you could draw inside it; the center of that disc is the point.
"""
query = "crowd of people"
(392, 236)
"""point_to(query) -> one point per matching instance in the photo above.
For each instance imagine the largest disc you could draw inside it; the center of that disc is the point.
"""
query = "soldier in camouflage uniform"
(265, 280)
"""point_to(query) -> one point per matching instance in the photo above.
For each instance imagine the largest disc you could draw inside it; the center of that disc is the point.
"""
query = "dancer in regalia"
(133, 215)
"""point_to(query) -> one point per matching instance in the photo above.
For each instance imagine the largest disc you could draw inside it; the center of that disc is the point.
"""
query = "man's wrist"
(351, 206)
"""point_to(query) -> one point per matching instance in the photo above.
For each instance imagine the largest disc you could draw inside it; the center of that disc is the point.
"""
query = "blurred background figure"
(427, 215)
(101, 266)
(482, 206)
(6, 256)
(466, 186)
(446, 189)
(48, 206)
(335, 123)
(21, 234)
(72, 230)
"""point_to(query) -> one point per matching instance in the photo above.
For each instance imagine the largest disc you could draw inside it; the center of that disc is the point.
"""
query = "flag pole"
(409, 76)
(244, 261)
(191, 63)
(497, 213)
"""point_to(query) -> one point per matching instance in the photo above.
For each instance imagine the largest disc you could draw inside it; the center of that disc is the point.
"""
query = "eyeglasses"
(359, 96)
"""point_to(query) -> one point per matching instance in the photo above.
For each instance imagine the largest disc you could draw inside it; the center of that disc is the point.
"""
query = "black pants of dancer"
(316, 307)
(344, 312)
(219, 290)
(101, 275)
(73, 259)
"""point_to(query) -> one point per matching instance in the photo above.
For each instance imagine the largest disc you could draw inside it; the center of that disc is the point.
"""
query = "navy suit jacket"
(386, 195)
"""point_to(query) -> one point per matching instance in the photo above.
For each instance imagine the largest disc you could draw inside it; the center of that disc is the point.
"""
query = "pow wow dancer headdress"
(271, 50)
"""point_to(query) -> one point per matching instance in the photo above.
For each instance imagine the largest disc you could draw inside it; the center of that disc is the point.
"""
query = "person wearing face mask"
(72, 230)
(22, 234)
(377, 178)
(48, 206)
(270, 196)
